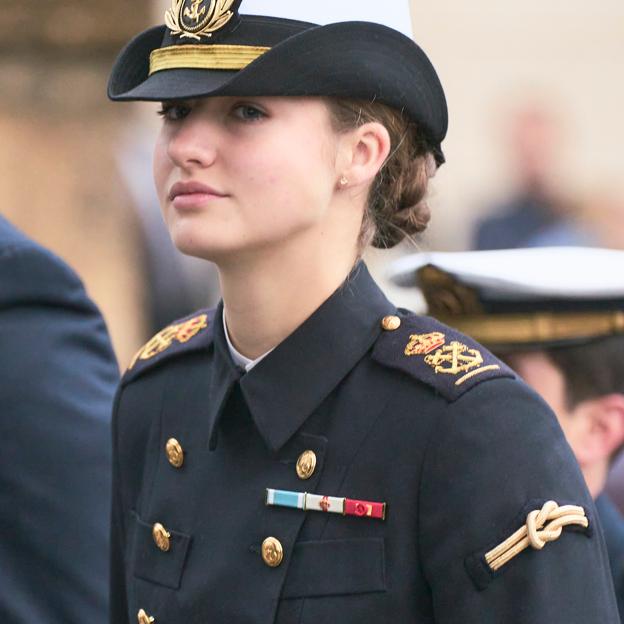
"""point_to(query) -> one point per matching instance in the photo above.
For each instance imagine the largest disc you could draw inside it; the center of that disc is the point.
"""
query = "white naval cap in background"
(521, 298)
(570, 272)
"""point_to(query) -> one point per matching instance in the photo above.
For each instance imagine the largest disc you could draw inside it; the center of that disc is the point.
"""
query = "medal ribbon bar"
(326, 504)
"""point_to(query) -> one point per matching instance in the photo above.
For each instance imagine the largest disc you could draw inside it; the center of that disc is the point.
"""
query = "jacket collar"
(285, 388)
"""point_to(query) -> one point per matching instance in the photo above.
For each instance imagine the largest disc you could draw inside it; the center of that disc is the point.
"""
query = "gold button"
(306, 464)
(143, 618)
(272, 552)
(175, 453)
(390, 323)
(161, 537)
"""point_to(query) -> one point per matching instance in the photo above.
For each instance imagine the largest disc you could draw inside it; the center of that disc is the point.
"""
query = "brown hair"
(591, 370)
(396, 205)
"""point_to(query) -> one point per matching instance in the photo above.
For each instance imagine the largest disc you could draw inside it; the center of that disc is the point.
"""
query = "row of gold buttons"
(306, 464)
(272, 555)
(162, 537)
(272, 550)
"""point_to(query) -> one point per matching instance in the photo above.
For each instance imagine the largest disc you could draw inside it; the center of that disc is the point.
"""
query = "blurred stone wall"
(59, 136)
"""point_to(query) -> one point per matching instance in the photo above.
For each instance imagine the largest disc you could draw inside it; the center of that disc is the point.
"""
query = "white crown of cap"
(535, 273)
(392, 13)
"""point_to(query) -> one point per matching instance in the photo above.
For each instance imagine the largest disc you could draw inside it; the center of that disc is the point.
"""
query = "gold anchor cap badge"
(198, 18)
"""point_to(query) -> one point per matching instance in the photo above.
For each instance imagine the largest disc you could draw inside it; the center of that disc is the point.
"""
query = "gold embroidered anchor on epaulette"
(448, 359)
(454, 358)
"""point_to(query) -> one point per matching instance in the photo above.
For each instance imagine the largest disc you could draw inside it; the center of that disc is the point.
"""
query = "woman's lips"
(188, 195)
(190, 201)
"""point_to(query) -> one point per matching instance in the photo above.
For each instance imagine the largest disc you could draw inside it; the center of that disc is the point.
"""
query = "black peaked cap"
(360, 60)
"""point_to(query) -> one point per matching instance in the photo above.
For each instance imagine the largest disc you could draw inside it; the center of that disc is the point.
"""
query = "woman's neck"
(267, 296)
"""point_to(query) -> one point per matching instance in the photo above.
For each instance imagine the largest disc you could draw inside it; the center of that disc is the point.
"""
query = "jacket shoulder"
(191, 333)
(25, 262)
(437, 355)
(10, 235)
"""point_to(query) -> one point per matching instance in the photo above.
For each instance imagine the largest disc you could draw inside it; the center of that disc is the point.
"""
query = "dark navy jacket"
(459, 459)
(613, 527)
(58, 376)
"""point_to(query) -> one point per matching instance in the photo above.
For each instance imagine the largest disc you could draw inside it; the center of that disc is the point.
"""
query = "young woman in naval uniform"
(307, 452)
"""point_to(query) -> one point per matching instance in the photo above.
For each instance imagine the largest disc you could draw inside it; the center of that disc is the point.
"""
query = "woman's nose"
(193, 144)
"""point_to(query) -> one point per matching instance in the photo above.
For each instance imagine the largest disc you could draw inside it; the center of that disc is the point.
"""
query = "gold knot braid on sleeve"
(542, 526)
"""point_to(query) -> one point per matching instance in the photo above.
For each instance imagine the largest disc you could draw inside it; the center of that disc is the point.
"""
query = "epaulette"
(439, 356)
(187, 334)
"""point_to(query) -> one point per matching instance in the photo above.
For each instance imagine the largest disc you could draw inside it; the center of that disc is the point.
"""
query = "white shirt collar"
(239, 359)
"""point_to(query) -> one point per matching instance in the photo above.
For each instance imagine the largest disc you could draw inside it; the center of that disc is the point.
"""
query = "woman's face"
(241, 174)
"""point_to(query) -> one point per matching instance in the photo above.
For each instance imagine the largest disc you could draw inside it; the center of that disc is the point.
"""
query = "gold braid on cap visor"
(529, 328)
(204, 57)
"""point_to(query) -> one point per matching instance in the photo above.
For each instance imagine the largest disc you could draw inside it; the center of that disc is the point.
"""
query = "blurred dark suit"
(58, 374)
(529, 220)
(513, 223)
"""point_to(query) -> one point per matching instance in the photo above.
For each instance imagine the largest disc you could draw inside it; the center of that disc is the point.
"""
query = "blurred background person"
(603, 212)
(535, 211)
(499, 60)
(556, 316)
(59, 375)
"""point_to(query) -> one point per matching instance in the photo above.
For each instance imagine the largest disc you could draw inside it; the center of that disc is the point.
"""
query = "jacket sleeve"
(58, 378)
(497, 454)
(136, 430)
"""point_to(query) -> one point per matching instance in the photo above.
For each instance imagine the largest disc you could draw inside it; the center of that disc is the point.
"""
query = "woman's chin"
(212, 248)
(190, 246)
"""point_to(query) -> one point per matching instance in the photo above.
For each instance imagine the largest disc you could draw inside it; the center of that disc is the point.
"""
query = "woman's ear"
(365, 151)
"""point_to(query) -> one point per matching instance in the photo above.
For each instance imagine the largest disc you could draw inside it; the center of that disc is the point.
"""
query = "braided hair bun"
(396, 206)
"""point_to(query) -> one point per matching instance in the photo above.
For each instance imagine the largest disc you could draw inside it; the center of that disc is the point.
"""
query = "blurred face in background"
(547, 380)
(593, 427)
(534, 145)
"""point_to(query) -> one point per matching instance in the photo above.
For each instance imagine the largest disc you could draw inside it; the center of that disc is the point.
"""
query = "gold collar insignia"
(179, 332)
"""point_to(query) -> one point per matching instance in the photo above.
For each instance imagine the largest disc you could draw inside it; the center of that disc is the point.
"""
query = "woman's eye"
(247, 112)
(174, 112)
